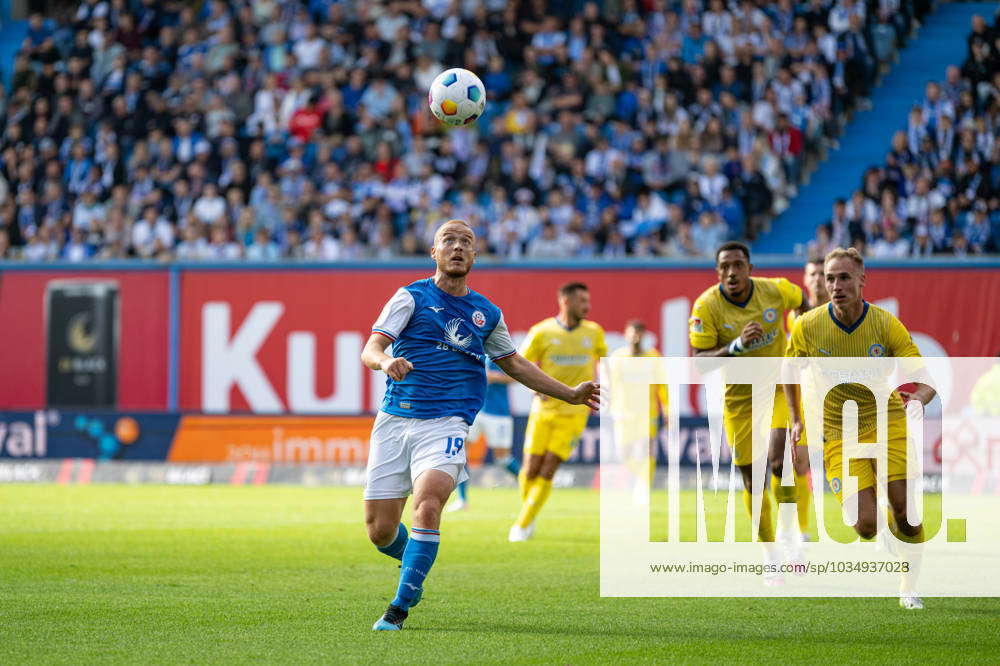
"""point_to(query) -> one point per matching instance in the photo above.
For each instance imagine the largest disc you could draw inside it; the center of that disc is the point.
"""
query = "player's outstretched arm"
(375, 358)
(529, 374)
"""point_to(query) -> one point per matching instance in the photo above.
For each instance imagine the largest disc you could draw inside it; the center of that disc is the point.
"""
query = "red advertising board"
(289, 340)
(144, 317)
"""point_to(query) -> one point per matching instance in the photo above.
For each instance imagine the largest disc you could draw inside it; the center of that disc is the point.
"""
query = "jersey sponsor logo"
(763, 341)
(478, 318)
(876, 350)
(696, 325)
(436, 310)
(569, 359)
(770, 315)
(452, 336)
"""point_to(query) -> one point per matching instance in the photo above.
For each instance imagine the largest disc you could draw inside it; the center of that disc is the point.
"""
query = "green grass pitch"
(153, 574)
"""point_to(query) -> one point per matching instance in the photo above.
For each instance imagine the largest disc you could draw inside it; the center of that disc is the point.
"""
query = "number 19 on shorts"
(454, 445)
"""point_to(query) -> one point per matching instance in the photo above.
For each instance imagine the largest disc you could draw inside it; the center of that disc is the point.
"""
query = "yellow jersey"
(657, 392)
(876, 334)
(716, 320)
(985, 396)
(564, 354)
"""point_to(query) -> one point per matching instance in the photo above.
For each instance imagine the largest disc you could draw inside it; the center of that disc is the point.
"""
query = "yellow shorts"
(864, 468)
(739, 428)
(558, 433)
(629, 429)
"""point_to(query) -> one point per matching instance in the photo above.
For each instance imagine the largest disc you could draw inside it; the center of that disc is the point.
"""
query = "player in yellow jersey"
(985, 396)
(629, 430)
(742, 316)
(815, 285)
(565, 346)
(850, 326)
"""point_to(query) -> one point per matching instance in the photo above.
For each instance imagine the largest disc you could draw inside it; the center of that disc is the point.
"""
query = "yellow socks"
(522, 483)
(766, 529)
(538, 492)
(783, 494)
(803, 496)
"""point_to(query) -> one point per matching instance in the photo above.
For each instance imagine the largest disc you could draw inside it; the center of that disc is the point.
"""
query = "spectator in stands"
(286, 110)
(977, 229)
(889, 246)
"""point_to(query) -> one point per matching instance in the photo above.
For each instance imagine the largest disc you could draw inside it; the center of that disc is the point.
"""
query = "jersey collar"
(852, 327)
(565, 327)
(739, 305)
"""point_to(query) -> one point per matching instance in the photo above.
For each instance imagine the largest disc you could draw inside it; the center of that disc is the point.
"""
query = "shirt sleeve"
(395, 315)
(531, 346)
(702, 329)
(499, 345)
(797, 341)
(791, 294)
(900, 342)
(600, 346)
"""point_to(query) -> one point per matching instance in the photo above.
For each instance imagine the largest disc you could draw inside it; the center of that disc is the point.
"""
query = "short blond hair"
(445, 224)
(850, 253)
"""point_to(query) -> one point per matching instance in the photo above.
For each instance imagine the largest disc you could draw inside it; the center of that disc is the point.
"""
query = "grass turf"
(285, 574)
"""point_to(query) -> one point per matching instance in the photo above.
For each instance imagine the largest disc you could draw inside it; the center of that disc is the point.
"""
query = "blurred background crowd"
(270, 129)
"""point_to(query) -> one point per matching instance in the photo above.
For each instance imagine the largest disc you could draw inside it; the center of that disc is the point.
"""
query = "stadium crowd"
(266, 129)
(938, 192)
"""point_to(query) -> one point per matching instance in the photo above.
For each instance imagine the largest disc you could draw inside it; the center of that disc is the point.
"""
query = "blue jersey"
(448, 340)
(497, 401)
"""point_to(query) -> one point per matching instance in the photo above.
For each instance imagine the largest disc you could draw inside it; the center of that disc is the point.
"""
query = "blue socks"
(512, 465)
(418, 558)
(396, 548)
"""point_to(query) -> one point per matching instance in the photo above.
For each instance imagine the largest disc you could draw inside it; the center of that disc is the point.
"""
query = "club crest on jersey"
(478, 318)
(770, 315)
(835, 484)
(452, 336)
(696, 325)
(876, 350)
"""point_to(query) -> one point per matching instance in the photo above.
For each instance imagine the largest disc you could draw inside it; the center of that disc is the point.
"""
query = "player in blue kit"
(495, 423)
(441, 334)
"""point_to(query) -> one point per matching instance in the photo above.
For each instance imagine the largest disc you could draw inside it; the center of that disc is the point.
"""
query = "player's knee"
(746, 472)
(380, 532)
(865, 527)
(903, 524)
(427, 512)
(802, 463)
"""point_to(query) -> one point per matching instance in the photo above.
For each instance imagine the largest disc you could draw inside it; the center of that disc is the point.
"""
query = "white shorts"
(403, 448)
(499, 430)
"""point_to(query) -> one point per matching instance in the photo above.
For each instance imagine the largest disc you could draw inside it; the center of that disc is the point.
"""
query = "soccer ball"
(457, 97)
